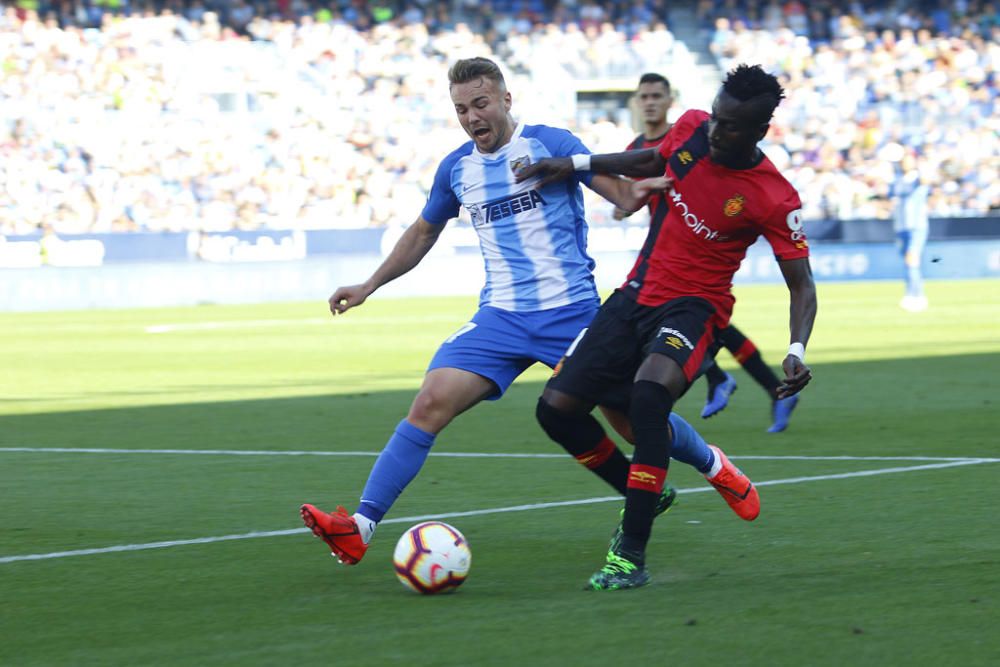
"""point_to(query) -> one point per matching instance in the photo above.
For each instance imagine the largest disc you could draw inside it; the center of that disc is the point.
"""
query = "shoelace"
(618, 565)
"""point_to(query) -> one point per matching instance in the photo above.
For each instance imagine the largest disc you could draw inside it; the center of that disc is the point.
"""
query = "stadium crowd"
(213, 115)
(866, 86)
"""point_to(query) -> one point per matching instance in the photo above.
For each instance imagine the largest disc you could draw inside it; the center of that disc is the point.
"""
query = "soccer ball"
(432, 557)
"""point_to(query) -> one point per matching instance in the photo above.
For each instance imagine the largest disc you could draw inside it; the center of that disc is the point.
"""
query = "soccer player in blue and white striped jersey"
(539, 293)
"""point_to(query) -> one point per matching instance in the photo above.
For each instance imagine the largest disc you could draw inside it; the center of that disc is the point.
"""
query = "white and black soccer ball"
(432, 557)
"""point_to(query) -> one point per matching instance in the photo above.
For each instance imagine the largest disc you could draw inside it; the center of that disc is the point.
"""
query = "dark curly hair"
(751, 82)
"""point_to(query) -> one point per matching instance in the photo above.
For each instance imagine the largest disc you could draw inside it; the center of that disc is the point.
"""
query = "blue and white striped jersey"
(534, 241)
(911, 210)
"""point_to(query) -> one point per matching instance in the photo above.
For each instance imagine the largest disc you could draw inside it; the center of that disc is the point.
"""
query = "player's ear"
(762, 130)
(507, 101)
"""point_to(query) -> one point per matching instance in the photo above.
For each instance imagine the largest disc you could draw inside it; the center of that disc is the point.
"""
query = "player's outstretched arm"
(639, 164)
(802, 313)
(411, 247)
(628, 196)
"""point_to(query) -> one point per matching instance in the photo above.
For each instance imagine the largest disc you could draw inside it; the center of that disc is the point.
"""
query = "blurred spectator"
(222, 114)
(215, 117)
(871, 85)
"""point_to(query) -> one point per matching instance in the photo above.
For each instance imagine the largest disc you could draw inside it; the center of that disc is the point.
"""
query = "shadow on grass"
(877, 406)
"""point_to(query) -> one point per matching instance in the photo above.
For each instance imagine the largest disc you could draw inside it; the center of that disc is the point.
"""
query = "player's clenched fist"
(346, 298)
(550, 170)
(797, 376)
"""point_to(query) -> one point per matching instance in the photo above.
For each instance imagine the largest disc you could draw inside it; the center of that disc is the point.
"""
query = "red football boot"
(338, 530)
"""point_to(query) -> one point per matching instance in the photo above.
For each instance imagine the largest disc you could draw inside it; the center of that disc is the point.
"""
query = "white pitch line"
(980, 459)
(471, 455)
(450, 515)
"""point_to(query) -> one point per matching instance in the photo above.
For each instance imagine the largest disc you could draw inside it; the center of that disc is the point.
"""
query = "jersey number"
(465, 328)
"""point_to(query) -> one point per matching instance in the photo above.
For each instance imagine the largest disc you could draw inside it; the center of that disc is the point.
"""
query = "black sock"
(584, 438)
(745, 351)
(714, 375)
(762, 373)
(651, 402)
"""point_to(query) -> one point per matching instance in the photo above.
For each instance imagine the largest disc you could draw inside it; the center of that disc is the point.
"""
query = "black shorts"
(601, 364)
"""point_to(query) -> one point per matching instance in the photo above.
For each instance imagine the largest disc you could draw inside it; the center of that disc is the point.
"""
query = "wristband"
(581, 162)
(797, 350)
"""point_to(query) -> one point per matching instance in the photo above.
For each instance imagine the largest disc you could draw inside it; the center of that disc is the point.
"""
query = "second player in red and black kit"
(653, 99)
(654, 331)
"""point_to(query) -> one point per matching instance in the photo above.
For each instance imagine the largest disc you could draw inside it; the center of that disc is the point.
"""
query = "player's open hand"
(637, 194)
(346, 298)
(797, 376)
(647, 186)
(549, 169)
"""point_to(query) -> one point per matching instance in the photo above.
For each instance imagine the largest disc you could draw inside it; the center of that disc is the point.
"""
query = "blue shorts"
(499, 344)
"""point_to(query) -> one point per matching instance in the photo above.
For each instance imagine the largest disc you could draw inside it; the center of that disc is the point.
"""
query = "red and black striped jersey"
(641, 142)
(701, 228)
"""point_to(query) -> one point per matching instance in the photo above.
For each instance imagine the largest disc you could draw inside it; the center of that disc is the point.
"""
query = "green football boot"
(618, 572)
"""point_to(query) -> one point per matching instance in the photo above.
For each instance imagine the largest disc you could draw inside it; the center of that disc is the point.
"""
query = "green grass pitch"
(854, 560)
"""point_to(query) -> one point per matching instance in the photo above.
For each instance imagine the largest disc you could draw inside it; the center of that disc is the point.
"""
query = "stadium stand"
(121, 115)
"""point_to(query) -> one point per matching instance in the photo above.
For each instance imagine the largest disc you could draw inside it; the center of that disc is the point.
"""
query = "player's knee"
(578, 433)
(561, 422)
(549, 418)
(430, 411)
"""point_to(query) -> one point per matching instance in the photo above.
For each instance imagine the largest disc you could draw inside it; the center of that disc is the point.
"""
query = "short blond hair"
(470, 69)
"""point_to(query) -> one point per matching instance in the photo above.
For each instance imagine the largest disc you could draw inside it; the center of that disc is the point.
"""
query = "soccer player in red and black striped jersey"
(655, 330)
(654, 97)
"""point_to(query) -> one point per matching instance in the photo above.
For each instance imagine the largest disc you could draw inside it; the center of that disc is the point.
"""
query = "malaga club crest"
(476, 214)
(734, 205)
(519, 163)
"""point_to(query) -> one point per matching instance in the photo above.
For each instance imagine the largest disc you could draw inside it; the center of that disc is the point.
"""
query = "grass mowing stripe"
(150, 545)
(254, 324)
(475, 455)
(260, 452)
(236, 324)
(451, 515)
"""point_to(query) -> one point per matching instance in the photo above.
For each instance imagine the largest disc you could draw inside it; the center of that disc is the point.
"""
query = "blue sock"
(689, 446)
(396, 466)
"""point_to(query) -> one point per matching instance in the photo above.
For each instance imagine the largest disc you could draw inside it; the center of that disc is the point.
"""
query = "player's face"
(483, 109)
(734, 130)
(654, 101)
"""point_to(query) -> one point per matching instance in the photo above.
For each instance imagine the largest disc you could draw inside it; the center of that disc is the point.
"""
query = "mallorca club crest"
(734, 205)
(519, 163)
